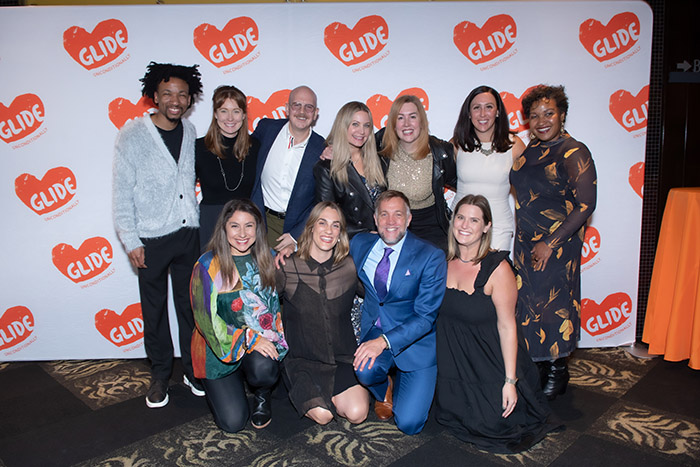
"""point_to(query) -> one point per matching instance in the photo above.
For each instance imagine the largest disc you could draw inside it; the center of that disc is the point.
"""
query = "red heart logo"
(637, 178)
(22, 118)
(380, 105)
(608, 316)
(50, 193)
(356, 45)
(121, 110)
(591, 244)
(222, 48)
(517, 120)
(91, 259)
(630, 111)
(16, 324)
(122, 329)
(493, 39)
(104, 44)
(274, 107)
(608, 42)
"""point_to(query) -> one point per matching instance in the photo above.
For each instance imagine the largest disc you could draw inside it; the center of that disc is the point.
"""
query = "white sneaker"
(157, 394)
(195, 386)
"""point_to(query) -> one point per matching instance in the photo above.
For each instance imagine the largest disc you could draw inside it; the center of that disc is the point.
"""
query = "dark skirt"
(425, 224)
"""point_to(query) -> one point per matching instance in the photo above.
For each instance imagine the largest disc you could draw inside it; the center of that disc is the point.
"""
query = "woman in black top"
(225, 158)
(317, 285)
(355, 176)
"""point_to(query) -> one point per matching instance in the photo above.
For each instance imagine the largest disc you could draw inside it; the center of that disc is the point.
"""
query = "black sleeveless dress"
(471, 374)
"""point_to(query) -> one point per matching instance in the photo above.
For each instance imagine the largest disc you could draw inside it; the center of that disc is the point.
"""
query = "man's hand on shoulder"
(285, 241)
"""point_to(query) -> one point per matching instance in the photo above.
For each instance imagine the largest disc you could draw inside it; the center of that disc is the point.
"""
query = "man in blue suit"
(404, 279)
(285, 188)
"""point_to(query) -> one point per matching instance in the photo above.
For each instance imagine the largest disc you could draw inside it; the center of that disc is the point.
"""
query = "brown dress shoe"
(384, 409)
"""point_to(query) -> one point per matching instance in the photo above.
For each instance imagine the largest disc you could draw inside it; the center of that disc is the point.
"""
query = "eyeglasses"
(308, 108)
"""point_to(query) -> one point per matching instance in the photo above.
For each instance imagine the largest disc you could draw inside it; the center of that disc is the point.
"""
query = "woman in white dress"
(485, 151)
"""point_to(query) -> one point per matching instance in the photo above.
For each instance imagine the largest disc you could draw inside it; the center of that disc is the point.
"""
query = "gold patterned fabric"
(414, 178)
(555, 191)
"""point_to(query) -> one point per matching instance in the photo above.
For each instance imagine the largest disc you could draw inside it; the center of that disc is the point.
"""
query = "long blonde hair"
(213, 140)
(260, 251)
(341, 147)
(341, 249)
(485, 244)
(390, 141)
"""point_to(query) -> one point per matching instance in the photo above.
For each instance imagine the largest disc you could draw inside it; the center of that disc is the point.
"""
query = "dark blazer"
(303, 194)
(444, 174)
(353, 198)
(410, 308)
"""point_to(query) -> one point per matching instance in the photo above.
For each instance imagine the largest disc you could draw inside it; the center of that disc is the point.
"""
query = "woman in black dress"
(317, 284)
(225, 158)
(488, 390)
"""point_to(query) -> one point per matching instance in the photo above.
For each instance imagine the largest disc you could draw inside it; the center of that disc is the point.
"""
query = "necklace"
(224, 174)
(486, 152)
(465, 260)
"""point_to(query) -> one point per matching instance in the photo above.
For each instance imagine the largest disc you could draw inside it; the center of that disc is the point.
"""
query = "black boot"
(557, 378)
(262, 412)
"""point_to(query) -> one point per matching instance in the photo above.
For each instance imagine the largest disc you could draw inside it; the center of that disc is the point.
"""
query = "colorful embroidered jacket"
(229, 323)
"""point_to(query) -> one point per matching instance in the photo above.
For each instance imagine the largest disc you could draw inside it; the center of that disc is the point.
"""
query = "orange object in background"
(672, 322)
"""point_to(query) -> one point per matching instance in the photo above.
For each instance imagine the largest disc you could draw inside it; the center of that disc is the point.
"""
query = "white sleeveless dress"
(478, 174)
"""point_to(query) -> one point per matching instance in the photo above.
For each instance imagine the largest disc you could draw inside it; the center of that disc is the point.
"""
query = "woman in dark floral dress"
(555, 187)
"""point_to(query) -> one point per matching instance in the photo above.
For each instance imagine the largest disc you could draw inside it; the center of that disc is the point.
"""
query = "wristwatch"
(511, 380)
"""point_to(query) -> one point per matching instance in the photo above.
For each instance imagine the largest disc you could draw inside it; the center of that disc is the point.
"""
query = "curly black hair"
(542, 91)
(157, 72)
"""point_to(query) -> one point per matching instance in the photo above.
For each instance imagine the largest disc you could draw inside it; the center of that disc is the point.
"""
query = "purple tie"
(382, 274)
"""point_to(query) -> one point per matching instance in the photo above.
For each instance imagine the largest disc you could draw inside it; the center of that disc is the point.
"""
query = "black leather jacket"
(444, 174)
(353, 198)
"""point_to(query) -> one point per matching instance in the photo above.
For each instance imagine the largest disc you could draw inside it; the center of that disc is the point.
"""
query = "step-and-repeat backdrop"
(70, 80)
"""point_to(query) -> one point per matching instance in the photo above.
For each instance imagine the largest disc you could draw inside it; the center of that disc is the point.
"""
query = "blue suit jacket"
(304, 191)
(410, 308)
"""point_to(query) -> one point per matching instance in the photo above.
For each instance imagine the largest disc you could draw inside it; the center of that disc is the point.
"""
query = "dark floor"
(618, 411)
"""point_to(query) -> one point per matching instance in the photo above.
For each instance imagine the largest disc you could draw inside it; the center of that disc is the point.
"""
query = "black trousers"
(175, 253)
(226, 396)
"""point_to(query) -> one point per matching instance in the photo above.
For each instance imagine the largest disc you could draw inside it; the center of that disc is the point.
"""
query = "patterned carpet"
(619, 410)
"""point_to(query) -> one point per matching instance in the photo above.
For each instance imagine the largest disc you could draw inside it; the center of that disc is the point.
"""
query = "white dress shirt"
(281, 168)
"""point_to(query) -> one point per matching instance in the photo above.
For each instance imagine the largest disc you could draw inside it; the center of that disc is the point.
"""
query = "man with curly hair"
(157, 217)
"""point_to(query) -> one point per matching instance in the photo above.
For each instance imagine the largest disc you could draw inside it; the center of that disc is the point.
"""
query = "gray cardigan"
(152, 194)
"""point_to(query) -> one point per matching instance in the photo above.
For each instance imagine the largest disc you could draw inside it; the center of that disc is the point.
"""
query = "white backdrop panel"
(68, 290)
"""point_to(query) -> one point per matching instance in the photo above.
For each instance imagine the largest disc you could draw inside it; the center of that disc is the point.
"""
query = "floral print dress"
(229, 323)
(555, 193)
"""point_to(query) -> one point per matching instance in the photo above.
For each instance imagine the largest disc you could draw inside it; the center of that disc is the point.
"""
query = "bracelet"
(386, 339)
(511, 380)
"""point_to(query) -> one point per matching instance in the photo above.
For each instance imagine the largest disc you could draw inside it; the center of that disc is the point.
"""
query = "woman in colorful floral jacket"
(238, 335)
